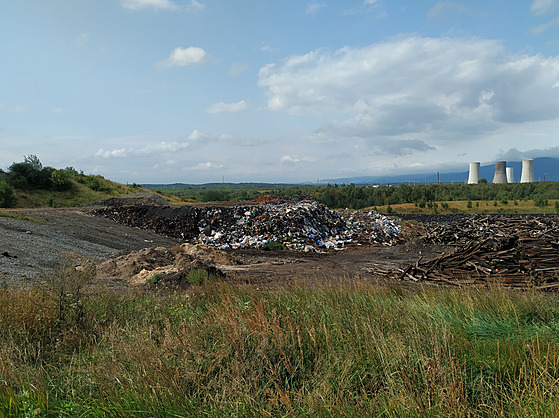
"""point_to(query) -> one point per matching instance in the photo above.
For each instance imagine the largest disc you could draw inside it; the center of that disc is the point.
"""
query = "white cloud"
(111, 153)
(144, 4)
(204, 166)
(196, 135)
(81, 39)
(442, 8)
(546, 8)
(237, 68)
(181, 57)
(227, 107)
(196, 5)
(451, 88)
(542, 7)
(313, 8)
(292, 160)
(138, 5)
(164, 147)
(226, 137)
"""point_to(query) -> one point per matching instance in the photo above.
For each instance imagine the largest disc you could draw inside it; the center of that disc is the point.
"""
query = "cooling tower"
(473, 178)
(527, 172)
(510, 175)
(500, 172)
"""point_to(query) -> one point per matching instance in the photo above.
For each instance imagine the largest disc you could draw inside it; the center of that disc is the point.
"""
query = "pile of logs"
(514, 251)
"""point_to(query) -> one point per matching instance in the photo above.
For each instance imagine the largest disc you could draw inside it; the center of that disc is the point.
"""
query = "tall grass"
(348, 348)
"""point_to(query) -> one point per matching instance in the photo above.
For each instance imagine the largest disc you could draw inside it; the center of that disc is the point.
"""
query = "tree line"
(359, 197)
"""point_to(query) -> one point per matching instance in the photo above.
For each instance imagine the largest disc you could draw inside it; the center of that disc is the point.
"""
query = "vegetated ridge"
(31, 185)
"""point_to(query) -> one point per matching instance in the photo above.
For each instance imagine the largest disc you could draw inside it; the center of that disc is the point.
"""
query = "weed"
(198, 277)
(274, 245)
(156, 278)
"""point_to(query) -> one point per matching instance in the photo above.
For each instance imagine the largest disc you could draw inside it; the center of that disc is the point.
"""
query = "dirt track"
(28, 247)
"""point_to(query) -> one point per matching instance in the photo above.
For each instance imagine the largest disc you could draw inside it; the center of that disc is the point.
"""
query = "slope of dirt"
(31, 246)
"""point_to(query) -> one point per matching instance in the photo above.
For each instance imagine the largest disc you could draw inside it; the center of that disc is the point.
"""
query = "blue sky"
(196, 91)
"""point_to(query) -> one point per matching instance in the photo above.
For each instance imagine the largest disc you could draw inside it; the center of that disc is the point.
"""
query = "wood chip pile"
(514, 251)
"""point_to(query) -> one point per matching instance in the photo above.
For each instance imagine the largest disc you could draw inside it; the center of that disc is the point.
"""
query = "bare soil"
(130, 256)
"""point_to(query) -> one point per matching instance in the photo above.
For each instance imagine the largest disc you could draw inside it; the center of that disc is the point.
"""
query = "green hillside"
(28, 184)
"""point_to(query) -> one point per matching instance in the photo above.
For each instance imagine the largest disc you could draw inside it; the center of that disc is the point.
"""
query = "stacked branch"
(514, 251)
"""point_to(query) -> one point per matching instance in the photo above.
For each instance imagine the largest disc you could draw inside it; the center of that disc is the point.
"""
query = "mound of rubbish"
(134, 199)
(303, 225)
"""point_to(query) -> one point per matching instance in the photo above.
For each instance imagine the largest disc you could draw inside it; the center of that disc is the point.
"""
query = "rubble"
(303, 225)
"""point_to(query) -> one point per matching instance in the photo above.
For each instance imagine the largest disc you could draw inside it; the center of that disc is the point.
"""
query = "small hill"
(83, 190)
(30, 185)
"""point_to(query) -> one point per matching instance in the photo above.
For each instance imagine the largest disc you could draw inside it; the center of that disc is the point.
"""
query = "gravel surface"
(30, 247)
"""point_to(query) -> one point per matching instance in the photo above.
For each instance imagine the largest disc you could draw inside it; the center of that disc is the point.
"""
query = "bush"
(7, 198)
(215, 196)
(60, 180)
(274, 245)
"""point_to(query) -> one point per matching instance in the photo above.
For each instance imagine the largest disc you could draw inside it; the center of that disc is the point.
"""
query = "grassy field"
(339, 349)
(479, 207)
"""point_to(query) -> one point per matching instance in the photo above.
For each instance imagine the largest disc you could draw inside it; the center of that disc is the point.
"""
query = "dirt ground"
(130, 256)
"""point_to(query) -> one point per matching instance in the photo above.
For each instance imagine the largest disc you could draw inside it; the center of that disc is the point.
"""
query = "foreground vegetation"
(338, 349)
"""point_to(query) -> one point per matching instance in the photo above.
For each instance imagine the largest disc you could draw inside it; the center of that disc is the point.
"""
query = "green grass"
(338, 349)
(477, 207)
(20, 216)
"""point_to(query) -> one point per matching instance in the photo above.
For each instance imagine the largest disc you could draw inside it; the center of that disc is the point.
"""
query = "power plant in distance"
(504, 174)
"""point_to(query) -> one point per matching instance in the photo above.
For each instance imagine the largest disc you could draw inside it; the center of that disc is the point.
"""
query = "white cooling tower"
(510, 175)
(500, 172)
(473, 178)
(527, 172)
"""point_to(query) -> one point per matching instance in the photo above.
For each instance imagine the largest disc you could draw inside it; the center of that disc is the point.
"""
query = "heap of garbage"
(302, 225)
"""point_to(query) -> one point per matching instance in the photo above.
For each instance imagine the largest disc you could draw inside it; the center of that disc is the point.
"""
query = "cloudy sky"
(196, 91)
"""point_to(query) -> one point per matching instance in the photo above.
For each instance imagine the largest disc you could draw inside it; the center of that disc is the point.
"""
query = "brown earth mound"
(169, 266)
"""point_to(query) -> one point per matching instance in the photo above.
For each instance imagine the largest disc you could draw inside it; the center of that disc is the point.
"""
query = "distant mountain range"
(545, 169)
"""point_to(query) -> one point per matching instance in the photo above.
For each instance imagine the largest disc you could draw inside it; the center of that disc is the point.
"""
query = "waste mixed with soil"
(142, 240)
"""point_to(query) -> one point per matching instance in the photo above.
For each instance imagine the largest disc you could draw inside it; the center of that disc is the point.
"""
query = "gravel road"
(30, 247)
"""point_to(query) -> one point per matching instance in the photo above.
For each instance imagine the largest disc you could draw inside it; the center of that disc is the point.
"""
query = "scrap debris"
(514, 251)
(302, 225)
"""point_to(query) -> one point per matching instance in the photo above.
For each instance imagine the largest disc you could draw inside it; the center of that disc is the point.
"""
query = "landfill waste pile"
(514, 251)
(303, 225)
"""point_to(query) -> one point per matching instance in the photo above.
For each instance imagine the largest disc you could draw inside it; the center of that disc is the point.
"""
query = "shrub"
(215, 196)
(60, 180)
(7, 198)
(274, 245)
(156, 278)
